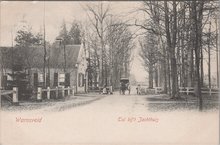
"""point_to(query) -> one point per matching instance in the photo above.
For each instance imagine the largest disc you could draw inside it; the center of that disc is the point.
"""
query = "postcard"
(109, 72)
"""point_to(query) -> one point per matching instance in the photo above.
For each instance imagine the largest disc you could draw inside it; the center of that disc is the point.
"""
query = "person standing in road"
(129, 88)
(138, 89)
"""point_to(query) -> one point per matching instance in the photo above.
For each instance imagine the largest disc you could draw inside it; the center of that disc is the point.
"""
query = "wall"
(52, 71)
(81, 71)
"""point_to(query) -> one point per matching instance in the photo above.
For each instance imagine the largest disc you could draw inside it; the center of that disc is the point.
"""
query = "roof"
(31, 56)
(6, 57)
(57, 56)
(35, 56)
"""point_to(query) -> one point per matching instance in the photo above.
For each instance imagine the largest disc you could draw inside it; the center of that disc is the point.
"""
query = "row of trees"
(109, 42)
(178, 35)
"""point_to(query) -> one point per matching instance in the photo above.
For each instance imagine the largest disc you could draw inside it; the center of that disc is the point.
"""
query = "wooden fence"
(146, 90)
(7, 93)
(69, 90)
(14, 99)
(189, 90)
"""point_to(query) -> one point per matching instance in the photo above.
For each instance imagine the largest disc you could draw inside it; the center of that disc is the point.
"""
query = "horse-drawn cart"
(124, 85)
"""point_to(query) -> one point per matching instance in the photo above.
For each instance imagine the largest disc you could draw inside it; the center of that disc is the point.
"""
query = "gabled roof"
(30, 57)
(35, 56)
(57, 56)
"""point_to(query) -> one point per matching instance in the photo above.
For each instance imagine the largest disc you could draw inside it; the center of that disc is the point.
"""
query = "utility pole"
(209, 55)
(45, 51)
(12, 47)
(64, 49)
(217, 51)
(62, 41)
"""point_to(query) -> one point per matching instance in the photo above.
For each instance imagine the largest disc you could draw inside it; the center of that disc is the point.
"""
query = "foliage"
(183, 33)
(110, 43)
(73, 36)
(75, 33)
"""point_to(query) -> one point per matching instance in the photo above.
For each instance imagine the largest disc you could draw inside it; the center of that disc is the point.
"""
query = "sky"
(12, 13)
(55, 12)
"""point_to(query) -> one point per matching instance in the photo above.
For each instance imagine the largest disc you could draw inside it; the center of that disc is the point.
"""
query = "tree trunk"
(197, 31)
(150, 79)
(168, 37)
(209, 55)
(156, 76)
(201, 67)
(164, 67)
(171, 46)
(190, 53)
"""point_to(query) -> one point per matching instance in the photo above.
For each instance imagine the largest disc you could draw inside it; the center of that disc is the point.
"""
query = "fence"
(14, 93)
(188, 90)
(14, 99)
(69, 90)
(155, 90)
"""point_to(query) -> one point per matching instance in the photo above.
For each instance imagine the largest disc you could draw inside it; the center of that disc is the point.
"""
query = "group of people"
(107, 90)
(126, 86)
(123, 88)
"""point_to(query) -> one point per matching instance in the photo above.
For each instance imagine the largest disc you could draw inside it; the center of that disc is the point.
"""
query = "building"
(75, 68)
(70, 70)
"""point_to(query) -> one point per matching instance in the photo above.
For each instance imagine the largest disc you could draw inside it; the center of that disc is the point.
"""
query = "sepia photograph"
(109, 72)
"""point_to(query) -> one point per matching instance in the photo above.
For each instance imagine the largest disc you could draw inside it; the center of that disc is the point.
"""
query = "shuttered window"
(48, 80)
(35, 80)
(67, 79)
(55, 80)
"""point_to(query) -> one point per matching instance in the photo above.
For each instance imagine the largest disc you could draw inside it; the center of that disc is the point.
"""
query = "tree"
(75, 33)
(197, 9)
(109, 42)
(19, 79)
(24, 40)
(98, 15)
(150, 55)
(184, 30)
(23, 59)
(120, 42)
(64, 34)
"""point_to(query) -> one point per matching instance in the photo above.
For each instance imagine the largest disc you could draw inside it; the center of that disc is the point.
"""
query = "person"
(120, 88)
(129, 88)
(123, 87)
(110, 90)
(138, 89)
(104, 91)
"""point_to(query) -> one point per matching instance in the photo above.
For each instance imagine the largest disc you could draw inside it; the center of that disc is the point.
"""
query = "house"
(75, 67)
(61, 69)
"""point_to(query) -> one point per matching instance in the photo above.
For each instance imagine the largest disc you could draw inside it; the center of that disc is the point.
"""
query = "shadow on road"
(164, 103)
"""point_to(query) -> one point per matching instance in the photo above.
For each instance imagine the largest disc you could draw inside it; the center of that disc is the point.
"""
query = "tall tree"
(75, 33)
(64, 34)
(98, 15)
(150, 55)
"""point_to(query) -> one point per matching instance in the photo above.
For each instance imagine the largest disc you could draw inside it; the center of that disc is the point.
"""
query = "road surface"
(114, 119)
